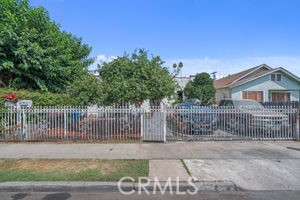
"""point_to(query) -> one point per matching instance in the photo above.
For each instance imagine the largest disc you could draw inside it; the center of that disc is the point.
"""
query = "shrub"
(38, 98)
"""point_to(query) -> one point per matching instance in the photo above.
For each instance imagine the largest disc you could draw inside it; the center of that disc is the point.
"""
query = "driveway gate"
(279, 123)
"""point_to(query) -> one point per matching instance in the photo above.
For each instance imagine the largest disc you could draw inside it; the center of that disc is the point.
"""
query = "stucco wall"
(265, 84)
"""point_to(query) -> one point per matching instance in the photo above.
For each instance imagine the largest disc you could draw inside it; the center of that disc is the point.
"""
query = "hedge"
(38, 98)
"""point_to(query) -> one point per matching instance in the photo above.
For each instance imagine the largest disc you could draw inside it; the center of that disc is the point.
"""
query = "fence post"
(142, 123)
(24, 125)
(298, 125)
(165, 122)
(65, 123)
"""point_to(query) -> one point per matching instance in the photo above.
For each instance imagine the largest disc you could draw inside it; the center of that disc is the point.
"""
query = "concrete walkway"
(167, 170)
(155, 151)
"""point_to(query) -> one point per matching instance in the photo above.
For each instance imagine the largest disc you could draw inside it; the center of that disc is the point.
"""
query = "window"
(275, 77)
(278, 77)
(180, 95)
(280, 97)
(228, 104)
(254, 95)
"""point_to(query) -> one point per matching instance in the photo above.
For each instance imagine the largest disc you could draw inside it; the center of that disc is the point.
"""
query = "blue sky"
(206, 35)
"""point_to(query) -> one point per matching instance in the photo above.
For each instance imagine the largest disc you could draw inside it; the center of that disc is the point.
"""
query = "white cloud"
(224, 67)
(111, 58)
(100, 59)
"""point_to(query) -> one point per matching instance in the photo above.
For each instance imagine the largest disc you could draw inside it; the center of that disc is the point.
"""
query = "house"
(181, 83)
(261, 83)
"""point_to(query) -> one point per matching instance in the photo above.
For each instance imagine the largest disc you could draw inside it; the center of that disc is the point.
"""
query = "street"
(258, 195)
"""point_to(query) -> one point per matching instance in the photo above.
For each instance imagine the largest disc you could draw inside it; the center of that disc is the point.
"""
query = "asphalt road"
(262, 195)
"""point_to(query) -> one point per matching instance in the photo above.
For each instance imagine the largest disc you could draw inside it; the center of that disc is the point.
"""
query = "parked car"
(188, 118)
(192, 101)
(249, 116)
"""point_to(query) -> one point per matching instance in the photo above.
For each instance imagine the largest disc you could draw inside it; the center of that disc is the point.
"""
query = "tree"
(202, 88)
(34, 52)
(135, 78)
(177, 69)
(87, 90)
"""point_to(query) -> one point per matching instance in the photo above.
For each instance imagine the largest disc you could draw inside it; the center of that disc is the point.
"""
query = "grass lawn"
(70, 170)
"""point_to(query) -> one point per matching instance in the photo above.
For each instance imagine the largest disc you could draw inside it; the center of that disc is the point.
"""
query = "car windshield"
(253, 105)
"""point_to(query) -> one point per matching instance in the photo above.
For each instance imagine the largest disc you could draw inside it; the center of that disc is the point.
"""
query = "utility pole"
(214, 75)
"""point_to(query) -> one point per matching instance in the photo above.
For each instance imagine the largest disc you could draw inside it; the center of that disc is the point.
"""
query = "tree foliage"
(135, 78)
(177, 69)
(202, 88)
(34, 52)
(87, 90)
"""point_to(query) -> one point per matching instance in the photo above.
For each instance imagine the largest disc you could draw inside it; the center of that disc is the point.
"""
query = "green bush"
(38, 98)
(87, 90)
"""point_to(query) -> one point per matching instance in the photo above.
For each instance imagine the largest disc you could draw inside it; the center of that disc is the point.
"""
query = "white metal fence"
(210, 123)
(155, 124)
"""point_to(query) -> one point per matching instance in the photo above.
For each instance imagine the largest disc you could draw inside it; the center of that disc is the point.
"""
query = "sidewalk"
(248, 165)
(167, 170)
(155, 151)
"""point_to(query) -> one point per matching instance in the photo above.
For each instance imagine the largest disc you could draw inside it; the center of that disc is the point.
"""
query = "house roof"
(249, 75)
(182, 81)
(226, 81)
(249, 78)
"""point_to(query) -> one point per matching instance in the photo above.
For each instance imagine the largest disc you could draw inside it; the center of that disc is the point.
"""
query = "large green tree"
(135, 78)
(34, 52)
(87, 90)
(202, 88)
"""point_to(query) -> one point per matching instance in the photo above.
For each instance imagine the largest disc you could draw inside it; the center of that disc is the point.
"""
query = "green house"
(261, 83)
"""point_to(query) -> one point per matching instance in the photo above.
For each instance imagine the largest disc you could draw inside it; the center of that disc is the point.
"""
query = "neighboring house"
(181, 83)
(261, 83)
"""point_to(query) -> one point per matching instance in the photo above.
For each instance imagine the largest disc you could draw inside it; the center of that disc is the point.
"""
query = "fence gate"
(276, 123)
(154, 125)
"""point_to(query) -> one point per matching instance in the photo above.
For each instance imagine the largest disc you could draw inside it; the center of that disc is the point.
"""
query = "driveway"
(273, 168)
(253, 174)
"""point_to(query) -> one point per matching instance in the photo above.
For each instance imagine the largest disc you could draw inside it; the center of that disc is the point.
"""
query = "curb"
(201, 187)
(62, 186)
(111, 187)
